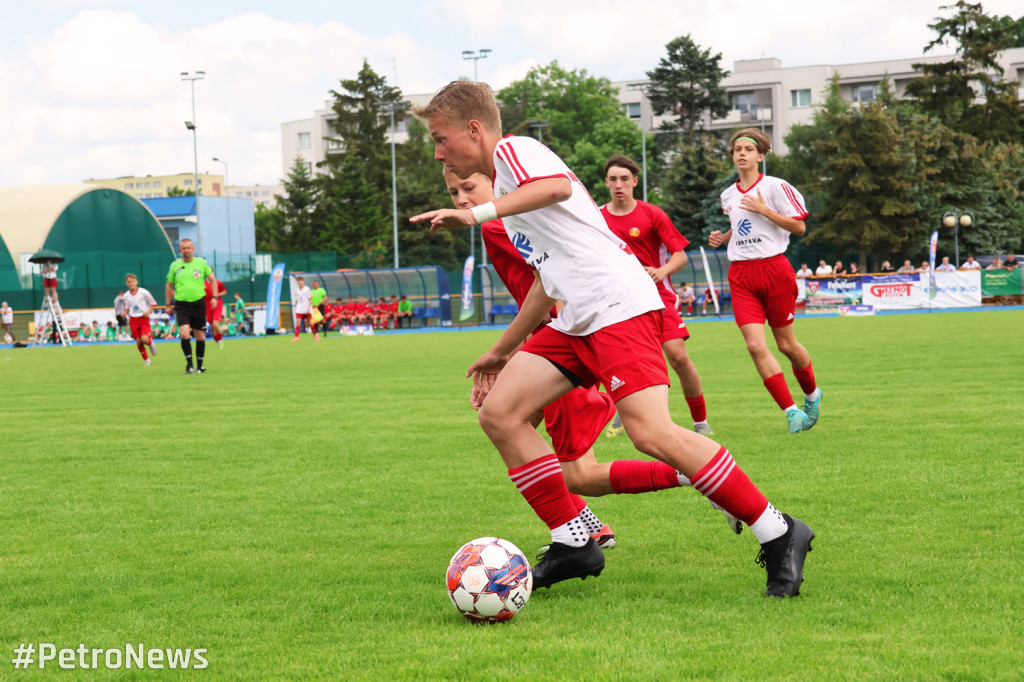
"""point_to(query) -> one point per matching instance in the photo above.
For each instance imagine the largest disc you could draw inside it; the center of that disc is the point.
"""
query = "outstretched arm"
(528, 197)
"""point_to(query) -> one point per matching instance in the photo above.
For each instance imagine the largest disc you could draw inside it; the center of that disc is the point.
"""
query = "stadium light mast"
(642, 89)
(227, 197)
(191, 125)
(539, 125)
(392, 107)
(957, 219)
(476, 57)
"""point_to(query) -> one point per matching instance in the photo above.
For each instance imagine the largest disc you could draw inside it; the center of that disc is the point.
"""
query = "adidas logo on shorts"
(616, 384)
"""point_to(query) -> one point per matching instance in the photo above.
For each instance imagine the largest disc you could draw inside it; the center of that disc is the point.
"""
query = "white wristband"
(485, 212)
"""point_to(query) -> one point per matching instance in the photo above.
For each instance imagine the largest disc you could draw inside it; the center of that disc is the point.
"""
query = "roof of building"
(164, 207)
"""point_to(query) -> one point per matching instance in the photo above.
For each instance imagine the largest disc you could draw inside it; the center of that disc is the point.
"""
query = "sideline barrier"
(960, 289)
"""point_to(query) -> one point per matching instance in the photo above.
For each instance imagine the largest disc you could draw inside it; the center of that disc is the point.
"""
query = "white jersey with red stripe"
(754, 236)
(580, 261)
(139, 303)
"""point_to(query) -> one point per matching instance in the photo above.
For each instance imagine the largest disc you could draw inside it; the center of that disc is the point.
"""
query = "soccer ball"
(489, 579)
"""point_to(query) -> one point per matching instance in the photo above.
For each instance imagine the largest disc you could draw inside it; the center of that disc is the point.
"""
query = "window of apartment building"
(265, 193)
(158, 184)
(128, 185)
(188, 182)
(864, 93)
(744, 101)
(147, 185)
(309, 167)
(304, 141)
(632, 110)
(800, 98)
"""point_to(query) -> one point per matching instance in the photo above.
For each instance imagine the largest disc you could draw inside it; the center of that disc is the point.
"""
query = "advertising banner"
(960, 289)
(893, 292)
(274, 297)
(832, 292)
(468, 305)
(1001, 282)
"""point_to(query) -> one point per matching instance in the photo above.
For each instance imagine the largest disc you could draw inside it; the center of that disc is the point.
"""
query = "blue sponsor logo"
(523, 246)
(744, 227)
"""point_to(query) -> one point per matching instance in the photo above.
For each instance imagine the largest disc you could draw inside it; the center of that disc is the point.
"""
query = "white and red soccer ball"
(489, 579)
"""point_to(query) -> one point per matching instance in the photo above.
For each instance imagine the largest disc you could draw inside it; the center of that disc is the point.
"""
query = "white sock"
(590, 521)
(812, 396)
(769, 525)
(791, 407)
(572, 533)
(683, 480)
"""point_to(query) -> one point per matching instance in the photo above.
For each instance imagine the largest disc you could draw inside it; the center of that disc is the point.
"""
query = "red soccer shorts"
(215, 314)
(672, 326)
(626, 357)
(139, 327)
(50, 284)
(763, 290)
(575, 421)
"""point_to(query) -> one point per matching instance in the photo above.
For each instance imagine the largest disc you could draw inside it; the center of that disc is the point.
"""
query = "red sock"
(776, 385)
(630, 476)
(541, 483)
(142, 349)
(725, 484)
(698, 410)
(217, 337)
(578, 502)
(806, 378)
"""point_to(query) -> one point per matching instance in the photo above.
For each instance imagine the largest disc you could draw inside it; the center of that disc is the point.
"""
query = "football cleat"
(220, 345)
(190, 370)
(703, 428)
(604, 538)
(783, 558)
(812, 409)
(562, 562)
(615, 428)
(146, 364)
(200, 370)
(796, 420)
(735, 525)
(152, 349)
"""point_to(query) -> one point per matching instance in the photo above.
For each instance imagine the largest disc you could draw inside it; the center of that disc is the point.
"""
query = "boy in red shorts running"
(139, 304)
(763, 211)
(215, 292)
(608, 331)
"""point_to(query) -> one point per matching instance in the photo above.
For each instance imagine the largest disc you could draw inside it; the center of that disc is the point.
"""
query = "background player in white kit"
(302, 304)
(607, 331)
(763, 212)
(139, 304)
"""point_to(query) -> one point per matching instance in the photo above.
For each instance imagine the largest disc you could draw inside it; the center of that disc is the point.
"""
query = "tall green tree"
(696, 173)
(868, 181)
(269, 227)
(687, 83)
(948, 90)
(297, 208)
(615, 135)
(349, 216)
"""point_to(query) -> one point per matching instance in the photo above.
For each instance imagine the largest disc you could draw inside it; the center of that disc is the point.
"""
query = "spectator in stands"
(404, 312)
(7, 317)
(111, 332)
(838, 269)
(709, 299)
(924, 269)
(945, 265)
(686, 299)
(996, 264)
(886, 267)
(824, 269)
(971, 264)
(84, 333)
(804, 271)
(907, 268)
(1011, 262)
(854, 270)
(393, 311)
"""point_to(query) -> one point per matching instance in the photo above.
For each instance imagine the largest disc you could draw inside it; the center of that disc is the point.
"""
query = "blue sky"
(92, 88)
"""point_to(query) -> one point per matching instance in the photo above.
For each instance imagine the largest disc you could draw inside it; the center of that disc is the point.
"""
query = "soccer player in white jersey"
(763, 211)
(302, 305)
(608, 331)
(139, 304)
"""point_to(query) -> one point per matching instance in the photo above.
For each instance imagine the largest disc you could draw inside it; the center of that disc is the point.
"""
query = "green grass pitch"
(293, 511)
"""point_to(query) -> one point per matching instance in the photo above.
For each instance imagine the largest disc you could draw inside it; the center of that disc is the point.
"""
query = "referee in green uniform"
(186, 295)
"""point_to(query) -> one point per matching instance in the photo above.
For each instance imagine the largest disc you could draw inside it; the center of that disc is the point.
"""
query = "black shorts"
(191, 313)
(122, 320)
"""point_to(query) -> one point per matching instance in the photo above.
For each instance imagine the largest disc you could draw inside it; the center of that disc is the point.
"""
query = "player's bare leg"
(785, 338)
(679, 360)
(771, 374)
(524, 387)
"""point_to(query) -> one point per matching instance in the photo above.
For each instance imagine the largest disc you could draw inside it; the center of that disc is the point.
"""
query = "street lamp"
(957, 219)
(392, 107)
(190, 125)
(539, 125)
(227, 196)
(475, 56)
(642, 88)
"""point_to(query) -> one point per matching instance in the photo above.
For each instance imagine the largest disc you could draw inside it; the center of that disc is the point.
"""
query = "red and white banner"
(961, 289)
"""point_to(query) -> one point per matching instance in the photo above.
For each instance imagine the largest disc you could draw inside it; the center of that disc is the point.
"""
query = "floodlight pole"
(955, 219)
(191, 125)
(476, 57)
(392, 107)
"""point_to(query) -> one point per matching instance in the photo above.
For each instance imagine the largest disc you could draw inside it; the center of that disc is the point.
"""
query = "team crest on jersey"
(744, 227)
(195, 274)
(634, 232)
(502, 191)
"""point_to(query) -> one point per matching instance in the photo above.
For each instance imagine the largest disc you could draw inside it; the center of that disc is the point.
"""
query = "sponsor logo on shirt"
(744, 226)
(617, 383)
(523, 246)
